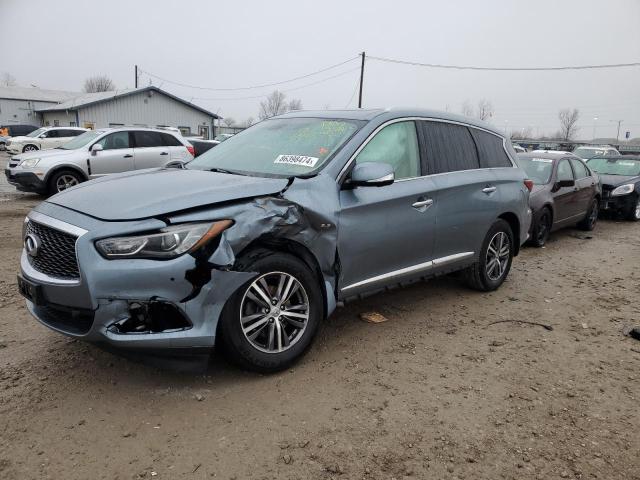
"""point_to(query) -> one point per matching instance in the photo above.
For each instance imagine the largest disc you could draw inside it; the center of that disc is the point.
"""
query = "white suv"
(96, 153)
(43, 138)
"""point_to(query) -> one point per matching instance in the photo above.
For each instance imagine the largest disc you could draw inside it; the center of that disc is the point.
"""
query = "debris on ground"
(543, 325)
(373, 317)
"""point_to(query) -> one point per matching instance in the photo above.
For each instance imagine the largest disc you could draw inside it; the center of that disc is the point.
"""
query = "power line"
(197, 87)
(503, 69)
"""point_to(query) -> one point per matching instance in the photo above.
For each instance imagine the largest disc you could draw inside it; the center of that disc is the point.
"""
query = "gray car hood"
(152, 193)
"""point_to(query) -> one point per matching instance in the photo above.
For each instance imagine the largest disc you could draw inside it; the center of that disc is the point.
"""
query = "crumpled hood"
(155, 192)
(615, 180)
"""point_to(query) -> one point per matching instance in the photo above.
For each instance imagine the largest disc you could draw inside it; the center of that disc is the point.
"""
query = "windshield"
(538, 169)
(615, 166)
(586, 153)
(81, 140)
(281, 147)
(37, 132)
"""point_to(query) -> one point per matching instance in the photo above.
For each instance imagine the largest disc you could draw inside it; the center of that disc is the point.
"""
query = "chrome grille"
(57, 253)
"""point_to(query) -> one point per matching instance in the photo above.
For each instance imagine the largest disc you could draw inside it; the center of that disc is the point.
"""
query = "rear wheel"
(494, 260)
(62, 180)
(633, 213)
(542, 228)
(270, 321)
(30, 148)
(589, 222)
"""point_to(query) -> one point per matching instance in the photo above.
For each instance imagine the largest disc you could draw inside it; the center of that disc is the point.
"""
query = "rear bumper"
(25, 181)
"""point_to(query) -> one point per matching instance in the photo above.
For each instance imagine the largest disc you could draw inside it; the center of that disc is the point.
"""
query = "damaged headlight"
(623, 190)
(168, 243)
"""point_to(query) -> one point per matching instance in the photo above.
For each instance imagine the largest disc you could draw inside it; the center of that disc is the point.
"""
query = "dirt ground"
(435, 392)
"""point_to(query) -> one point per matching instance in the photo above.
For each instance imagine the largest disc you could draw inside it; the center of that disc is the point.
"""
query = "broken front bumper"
(138, 304)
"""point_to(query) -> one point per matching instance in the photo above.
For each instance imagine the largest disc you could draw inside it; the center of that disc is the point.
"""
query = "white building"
(146, 106)
(19, 105)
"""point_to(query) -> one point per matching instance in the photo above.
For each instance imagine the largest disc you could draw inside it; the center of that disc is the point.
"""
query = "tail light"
(529, 184)
(191, 150)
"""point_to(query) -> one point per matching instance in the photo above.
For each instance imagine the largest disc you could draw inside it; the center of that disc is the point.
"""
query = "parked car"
(200, 146)
(588, 152)
(565, 193)
(620, 177)
(518, 149)
(222, 137)
(43, 139)
(257, 240)
(96, 153)
(8, 131)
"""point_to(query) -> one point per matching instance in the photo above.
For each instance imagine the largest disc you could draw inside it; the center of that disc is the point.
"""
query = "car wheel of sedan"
(271, 320)
(589, 222)
(62, 180)
(633, 213)
(542, 228)
(494, 260)
(30, 148)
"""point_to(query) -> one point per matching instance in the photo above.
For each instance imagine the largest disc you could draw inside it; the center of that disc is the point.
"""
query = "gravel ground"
(434, 392)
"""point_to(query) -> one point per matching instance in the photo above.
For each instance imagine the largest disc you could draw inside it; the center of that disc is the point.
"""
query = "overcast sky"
(233, 44)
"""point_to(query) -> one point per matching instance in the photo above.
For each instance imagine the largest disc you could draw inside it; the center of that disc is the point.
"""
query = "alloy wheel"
(637, 210)
(66, 181)
(497, 257)
(274, 312)
(593, 216)
(543, 228)
(30, 148)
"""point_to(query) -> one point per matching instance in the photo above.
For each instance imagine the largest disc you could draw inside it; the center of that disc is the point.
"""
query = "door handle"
(164, 153)
(423, 203)
(488, 190)
(128, 155)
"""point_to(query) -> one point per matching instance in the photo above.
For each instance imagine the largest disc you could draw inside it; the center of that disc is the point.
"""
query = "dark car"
(620, 178)
(201, 146)
(565, 192)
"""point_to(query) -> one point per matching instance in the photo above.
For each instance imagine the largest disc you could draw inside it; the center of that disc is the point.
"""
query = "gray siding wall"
(142, 109)
(65, 119)
(21, 111)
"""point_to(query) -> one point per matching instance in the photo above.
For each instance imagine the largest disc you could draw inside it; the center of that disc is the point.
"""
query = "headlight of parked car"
(623, 190)
(29, 162)
(168, 243)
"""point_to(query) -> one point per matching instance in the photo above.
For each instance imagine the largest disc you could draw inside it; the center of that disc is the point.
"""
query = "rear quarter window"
(490, 150)
(170, 141)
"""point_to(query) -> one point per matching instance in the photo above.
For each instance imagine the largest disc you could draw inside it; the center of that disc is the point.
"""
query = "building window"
(72, 124)
(47, 123)
(56, 123)
(116, 124)
(186, 131)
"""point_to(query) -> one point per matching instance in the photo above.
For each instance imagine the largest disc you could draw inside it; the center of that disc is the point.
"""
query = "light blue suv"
(256, 241)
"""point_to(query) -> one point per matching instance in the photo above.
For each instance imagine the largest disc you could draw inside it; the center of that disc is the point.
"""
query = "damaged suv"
(256, 241)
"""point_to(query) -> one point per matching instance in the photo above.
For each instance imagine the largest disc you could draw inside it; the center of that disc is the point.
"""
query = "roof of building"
(87, 99)
(35, 94)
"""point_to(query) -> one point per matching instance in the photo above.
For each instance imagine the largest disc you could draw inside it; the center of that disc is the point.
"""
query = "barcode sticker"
(301, 160)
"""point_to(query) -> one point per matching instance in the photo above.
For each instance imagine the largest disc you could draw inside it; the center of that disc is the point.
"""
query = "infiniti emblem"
(32, 244)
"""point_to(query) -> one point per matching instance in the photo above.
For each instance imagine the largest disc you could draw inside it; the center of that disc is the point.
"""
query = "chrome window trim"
(345, 168)
(414, 268)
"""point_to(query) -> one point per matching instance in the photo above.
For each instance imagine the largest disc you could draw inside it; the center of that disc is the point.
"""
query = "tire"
(481, 276)
(63, 179)
(588, 223)
(253, 344)
(542, 228)
(633, 213)
(29, 148)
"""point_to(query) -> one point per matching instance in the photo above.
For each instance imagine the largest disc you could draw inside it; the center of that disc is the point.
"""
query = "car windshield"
(538, 169)
(280, 147)
(615, 166)
(37, 132)
(81, 140)
(586, 153)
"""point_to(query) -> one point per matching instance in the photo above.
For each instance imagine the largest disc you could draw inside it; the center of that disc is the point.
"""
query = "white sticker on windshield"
(301, 160)
(543, 160)
(627, 164)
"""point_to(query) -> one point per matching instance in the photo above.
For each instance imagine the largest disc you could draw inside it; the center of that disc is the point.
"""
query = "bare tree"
(467, 109)
(568, 119)
(274, 104)
(229, 122)
(485, 109)
(295, 104)
(248, 122)
(7, 80)
(522, 134)
(98, 83)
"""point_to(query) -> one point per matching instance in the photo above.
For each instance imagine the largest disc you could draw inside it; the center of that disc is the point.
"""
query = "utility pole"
(361, 80)
(618, 134)
(136, 71)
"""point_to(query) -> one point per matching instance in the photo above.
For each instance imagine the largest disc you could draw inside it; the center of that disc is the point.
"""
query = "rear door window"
(579, 168)
(490, 149)
(146, 139)
(397, 145)
(448, 148)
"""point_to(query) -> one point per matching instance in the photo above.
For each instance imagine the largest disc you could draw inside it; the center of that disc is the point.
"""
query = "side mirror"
(371, 174)
(43, 135)
(95, 148)
(566, 183)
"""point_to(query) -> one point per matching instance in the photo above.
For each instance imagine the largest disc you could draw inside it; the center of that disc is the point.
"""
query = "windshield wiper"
(222, 170)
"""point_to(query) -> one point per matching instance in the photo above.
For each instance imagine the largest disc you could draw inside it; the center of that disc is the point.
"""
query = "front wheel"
(270, 321)
(633, 213)
(30, 148)
(494, 260)
(589, 221)
(62, 180)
